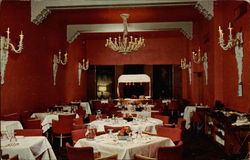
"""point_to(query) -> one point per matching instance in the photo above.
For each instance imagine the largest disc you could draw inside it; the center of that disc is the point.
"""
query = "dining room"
(139, 80)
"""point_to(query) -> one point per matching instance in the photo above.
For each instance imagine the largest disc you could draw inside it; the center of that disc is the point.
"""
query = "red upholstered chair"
(175, 134)
(78, 126)
(93, 117)
(81, 113)
(14, 158)
(62, 128)
(28, 132)
(170, 152)
(11, 117)
(173, 106)
(141, 157)
(66, 117)
(110, 157)
(181, 123)
(165, 119)
(32, 123)
(78, 134)
(79, 153)
(115, 129)
(78, 121)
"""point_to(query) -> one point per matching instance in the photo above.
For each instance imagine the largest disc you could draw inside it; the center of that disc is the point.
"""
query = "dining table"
(8, 127)
(188, 113)
(47, 117)
(139, 124)
(28, 148)
(108, 144)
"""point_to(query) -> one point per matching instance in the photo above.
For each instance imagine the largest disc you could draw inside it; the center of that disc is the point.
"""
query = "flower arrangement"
(124, 131)
(128, 117)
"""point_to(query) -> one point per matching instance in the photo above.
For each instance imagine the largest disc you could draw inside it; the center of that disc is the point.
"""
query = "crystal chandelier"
(125, 45)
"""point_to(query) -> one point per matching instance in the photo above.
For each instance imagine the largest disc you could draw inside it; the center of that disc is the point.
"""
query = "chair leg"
(60, 140)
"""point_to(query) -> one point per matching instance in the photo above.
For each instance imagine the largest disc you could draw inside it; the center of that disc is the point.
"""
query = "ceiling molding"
(206, 8)
(41, 9)
(73, 31)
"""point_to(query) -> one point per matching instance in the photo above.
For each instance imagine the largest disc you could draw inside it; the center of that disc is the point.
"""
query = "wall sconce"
(58, 60)
(4, 50)
(84, 66)
(231, 42)
(196, 56)
(102, 89)
(188, 66)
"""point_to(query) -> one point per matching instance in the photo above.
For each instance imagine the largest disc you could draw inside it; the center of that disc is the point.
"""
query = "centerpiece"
(128, 117)
(123, 134)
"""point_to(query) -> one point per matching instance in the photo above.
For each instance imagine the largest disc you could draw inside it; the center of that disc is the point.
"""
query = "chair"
(11, 117)
(14, 158)
(28, 132)
(78, 121)
(32, 123)
(170, 152)
(173, 106)
(110, 157)
(78, 126)
(93, 117)
(141, 157)
(181, 123)
(62, 128)
(81, 113)
(78, 134)
(79, 153)
(66, 116)
(175, 134)
(165, 119)
(115, 129)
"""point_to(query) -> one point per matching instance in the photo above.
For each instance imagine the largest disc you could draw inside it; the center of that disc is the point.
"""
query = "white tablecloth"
(85, 106)
(47, 117)
(9, 127)
(147, 146)
(29, 148)
(148, 125)
(141, 113)
(187, 114)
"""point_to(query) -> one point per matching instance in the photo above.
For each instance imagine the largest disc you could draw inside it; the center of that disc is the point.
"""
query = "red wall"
(29, 81)
(28, 78)
(222, 70)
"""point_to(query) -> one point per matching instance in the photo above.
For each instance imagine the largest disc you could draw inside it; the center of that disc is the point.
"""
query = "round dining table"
(138, 124)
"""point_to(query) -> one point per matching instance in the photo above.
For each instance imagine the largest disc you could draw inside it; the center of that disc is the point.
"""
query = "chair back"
(165, 119)
(110, 157)
(79, 153)
(66, 117)
(78, 126)
(173, 105)
(175, 134)
(170, 152)
(92, 117)
(78, 134)
(32, 124)
(141, 157)
(14, 157)
(62, 126)
(181, 123)
(114, 129)
(81, 112)
(28, 132)
(78, 121)
(11, 117)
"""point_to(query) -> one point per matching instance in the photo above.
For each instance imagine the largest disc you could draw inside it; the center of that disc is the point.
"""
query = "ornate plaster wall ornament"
(84, 66)
(5, 44)
(56, 61)
(239, 56)
(205, 66)
(188, 66)
(206, 8)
